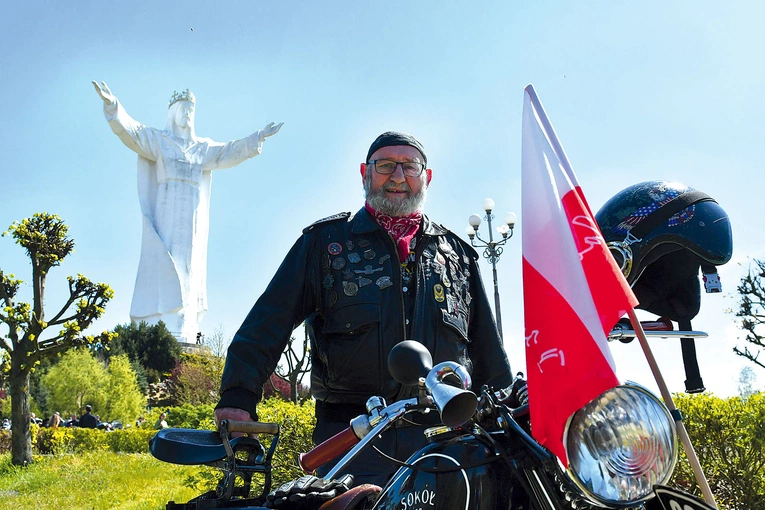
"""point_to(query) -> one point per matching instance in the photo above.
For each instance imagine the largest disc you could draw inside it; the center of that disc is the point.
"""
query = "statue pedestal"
(195, 348)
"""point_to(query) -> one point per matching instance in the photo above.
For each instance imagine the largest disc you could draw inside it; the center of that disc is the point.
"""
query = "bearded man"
(363, 283)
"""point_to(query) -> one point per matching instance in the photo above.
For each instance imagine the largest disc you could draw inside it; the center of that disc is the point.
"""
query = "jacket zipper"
(400, 282)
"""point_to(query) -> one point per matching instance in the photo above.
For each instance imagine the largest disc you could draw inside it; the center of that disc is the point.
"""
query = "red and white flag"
(573, 291)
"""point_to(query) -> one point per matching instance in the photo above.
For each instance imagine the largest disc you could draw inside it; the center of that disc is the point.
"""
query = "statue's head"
(180, 113)
(183, 114)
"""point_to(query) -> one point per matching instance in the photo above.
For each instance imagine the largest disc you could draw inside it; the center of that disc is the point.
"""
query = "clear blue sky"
(636, 91)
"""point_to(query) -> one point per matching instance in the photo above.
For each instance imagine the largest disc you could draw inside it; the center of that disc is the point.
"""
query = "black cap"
(390, 138)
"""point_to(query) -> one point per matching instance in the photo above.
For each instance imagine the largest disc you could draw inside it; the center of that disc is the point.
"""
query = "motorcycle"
(622, 450)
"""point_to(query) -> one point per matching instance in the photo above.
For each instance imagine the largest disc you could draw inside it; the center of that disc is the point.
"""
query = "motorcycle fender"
(668, 498)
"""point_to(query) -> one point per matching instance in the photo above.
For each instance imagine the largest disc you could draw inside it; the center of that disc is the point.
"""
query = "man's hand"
(520, 391)
(105, 93)
(517, 394)
(270, 130)
(232, 414)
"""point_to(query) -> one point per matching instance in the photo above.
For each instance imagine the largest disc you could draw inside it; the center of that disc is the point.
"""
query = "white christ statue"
(174, 177)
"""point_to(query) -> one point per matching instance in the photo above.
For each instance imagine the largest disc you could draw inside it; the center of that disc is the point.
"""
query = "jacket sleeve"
(258, 344)
(490, 363)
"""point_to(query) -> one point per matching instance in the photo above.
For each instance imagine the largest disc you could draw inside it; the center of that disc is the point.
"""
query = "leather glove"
(517, 393)
(307, 492)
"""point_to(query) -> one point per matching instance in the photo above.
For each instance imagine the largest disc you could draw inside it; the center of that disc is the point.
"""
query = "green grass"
(93, 480)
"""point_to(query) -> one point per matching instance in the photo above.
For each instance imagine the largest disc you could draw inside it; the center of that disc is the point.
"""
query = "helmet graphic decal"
(660, 195)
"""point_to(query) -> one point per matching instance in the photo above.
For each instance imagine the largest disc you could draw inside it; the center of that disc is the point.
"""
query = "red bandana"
(401, 229)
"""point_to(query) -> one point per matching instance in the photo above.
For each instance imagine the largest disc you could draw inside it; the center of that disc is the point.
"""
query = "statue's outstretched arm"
(225, 155)
(106, 94)
(133, 134)
(270, 130)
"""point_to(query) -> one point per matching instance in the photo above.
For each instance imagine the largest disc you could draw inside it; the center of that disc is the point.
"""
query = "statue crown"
(183, 96)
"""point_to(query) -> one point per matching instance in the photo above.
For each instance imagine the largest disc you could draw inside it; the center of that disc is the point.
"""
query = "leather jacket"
(343, 278)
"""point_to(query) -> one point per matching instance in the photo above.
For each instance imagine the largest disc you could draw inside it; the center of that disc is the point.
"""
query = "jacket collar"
(363, 222)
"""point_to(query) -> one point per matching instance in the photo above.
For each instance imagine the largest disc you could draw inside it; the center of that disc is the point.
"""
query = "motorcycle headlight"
(620, 445)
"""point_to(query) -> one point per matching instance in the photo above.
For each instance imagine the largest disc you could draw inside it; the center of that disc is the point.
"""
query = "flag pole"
(552, 137)
(681, 431)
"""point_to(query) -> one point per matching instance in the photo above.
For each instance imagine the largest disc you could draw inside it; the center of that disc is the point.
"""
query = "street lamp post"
(492, 249)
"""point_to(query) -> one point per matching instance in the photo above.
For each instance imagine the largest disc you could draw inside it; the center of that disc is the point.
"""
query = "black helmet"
(661, 233)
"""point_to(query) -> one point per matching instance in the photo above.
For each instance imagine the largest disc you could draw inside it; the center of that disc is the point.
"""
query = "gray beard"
(398, 208)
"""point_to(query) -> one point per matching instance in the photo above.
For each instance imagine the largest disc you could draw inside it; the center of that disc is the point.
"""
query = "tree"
(276, 387)
(218, 342)
(44, 237)
(752, 311)
(296, 366)
(78, 379)
(152, 346)
(196, 379)
(124, 398)
(218, 345)
(746, 381)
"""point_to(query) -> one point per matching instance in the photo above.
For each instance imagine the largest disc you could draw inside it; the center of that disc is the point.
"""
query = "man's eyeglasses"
(387, 167)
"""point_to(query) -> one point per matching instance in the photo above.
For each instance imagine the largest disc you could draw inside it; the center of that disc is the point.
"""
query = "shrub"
(728, 436)
(78, 440)
(296, 422)
(130, 440)
(55, 441)
(5, 441)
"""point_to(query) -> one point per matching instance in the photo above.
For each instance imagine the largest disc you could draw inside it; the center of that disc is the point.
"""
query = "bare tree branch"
(752, 312)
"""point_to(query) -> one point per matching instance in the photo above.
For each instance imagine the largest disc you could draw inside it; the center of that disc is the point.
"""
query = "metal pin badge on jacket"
(384, 282)
(349, 245)
(354, 258)
(338, 263)
(350, 289)
(363, 243)
(327, 281)
(369, 254)
(367, 270)
(438, 292)
(335, 248)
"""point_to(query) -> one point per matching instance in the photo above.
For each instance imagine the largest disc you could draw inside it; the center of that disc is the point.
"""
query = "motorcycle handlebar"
(333, 447)
(252, 427)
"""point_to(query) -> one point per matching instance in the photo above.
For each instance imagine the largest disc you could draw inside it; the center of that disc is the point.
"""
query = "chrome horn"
(454, 400)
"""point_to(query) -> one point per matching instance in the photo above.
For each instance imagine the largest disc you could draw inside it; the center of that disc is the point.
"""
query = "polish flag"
(573, 291)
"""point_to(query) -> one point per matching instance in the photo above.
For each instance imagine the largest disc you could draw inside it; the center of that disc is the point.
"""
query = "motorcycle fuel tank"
(467, 478)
